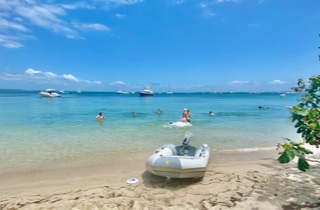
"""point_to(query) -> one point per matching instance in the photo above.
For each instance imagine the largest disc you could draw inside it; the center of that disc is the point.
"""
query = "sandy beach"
(246, 180)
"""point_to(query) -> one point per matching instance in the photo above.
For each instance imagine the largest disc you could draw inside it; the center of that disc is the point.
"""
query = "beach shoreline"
(237, 180)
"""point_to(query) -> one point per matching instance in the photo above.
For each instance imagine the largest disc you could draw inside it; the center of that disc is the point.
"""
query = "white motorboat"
(183, 161)
(49, 93)
(146, 92)
(122, 92)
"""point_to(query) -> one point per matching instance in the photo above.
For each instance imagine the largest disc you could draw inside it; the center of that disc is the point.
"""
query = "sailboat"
(169, 92)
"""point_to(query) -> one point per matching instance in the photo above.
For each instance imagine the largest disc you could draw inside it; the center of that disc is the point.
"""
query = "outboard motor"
(185, 142)
(186, 138)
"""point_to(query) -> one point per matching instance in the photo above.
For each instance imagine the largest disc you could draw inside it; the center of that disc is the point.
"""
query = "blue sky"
(181, 45)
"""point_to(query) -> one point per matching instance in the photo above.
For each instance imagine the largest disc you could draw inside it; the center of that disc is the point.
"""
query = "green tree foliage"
(306, 116)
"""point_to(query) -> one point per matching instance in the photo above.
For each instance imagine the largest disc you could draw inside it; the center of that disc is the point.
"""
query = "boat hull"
(146, 94)
(168, 161)
(49, 94)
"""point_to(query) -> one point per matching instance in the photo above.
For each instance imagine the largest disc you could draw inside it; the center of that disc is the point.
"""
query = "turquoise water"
(43, 131)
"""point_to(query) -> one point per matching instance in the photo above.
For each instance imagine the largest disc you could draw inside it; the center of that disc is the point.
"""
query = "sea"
(36, 131)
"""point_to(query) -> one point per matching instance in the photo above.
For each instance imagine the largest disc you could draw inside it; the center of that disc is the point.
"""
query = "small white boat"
(183, 161)
(146, 92)
(49, 93)
(122, 92)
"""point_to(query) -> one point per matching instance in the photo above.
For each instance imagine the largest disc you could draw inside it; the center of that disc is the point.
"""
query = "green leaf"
(298, 124)
(296, 144)
(301, 129)
(299, 153)
(303, 164)
(287, 147)
(306, 151)
(302, 112)
(286, 156)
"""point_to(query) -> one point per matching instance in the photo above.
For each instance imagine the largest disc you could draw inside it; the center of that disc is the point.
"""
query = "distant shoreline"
(161, 92)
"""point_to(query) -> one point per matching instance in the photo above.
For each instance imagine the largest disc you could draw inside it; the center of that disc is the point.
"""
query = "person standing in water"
(100, 116)
(186, 115)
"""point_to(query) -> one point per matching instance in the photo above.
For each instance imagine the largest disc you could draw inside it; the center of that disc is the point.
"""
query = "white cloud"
(120, 16)
(78, 5)
(11, 77)
(97, 82)
(19, 17)
(278, 82)
(8, 41)
(206, 8)
(120, 2)
(46, 16)
(36, 76)
(50, 75)
(177, 2)
(31, 71)
(117, 83)
(203, 5)
(238, 82)
(70, 77)
(6, 25)
(91, 27)
(10, 44)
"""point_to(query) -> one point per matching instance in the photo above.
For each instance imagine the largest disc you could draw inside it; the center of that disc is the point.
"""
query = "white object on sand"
(132, 180)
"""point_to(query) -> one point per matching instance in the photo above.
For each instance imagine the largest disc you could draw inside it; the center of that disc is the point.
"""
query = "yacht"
(49, 93)
(146, 92)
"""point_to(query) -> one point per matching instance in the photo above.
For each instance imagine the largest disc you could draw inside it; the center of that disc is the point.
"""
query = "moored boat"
(122, 92)
(184, 161)
(49, 93)
(146, 92)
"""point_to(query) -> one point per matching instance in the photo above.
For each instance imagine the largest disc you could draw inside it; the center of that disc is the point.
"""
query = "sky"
(167, 45)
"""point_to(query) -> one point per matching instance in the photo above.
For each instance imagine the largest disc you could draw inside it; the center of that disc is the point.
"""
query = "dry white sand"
(246, 180)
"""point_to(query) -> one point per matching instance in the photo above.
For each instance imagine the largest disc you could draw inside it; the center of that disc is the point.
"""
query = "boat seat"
(172, 149)
(186, 150)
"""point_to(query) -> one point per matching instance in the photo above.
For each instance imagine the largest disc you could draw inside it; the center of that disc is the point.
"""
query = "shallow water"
(39, 131)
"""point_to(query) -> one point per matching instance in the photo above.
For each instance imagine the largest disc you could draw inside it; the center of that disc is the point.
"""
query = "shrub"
(306, 116)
